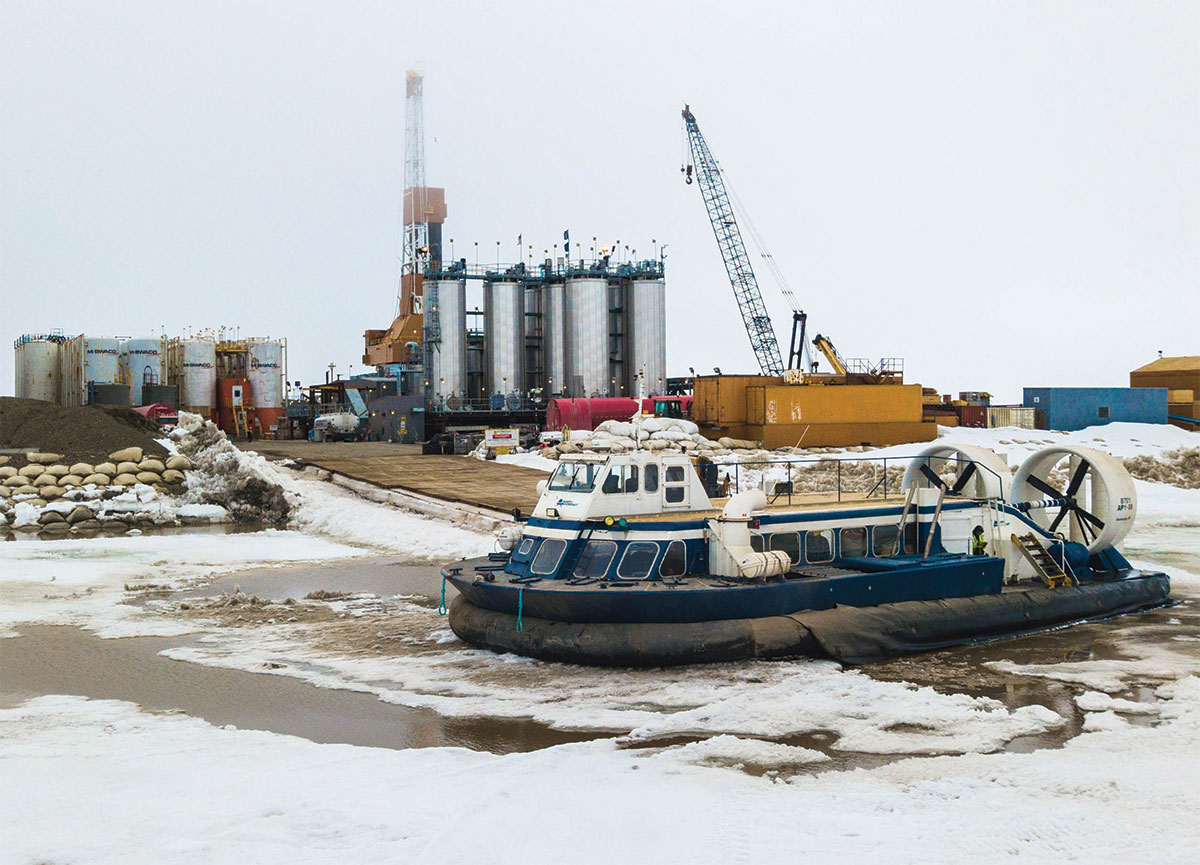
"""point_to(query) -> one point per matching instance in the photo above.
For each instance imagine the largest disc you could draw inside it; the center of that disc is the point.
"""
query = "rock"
(51, 517)
(43, 459)
(30, 471)
(178, 463)
(148, 477)
(171, 476)
(70, 481)
(81, 469)
(44, 479)
(7, 472)
(127, 468)
(50, 492)
(109, 469)
(152, 465)
(125, 479)
(97, 479)
(133, 455)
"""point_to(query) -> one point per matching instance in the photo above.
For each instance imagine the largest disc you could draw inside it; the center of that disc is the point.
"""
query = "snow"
(81, 581)
(529, 460)
(168, 788)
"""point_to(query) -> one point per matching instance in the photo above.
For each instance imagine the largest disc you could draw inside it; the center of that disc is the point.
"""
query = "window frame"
(667, 554)
(651, 469)
(607, 565)
(557, 560)
(891, 544)
(799, 547)
(866, 541)
(518, 555)
(832, 546)
(625, 555)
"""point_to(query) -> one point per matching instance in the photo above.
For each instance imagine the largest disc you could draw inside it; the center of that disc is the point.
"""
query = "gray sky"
(1004, 194)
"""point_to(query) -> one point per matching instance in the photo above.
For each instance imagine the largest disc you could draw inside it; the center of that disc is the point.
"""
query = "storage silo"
(554, 356)
(37, 366)
(646, 302)
(504, 330)
(446, 304)
(87, 360)
(586, 337)
(192, 367)
(265, 376)
(145, 363)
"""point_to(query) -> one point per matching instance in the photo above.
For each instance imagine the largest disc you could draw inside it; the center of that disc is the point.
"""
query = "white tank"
(37, 366)
(554, 355)
(586, 337)
(265, 372)
(446, 303)
(144, 362)
(647, 335)
(192, 368)
(87, 360)
(504, 332)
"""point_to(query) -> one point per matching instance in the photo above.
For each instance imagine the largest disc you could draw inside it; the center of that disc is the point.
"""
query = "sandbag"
(125, 479)
(178, 463)
(127, 466)
(15, 481)
(70, 481)
(80, 514)
(171, 476)
(50, 492)
(133, 455)
(30, 471)
(43, 458)
(26, 490)
(81, 469)
(58, 470)
(109, 469)
(152, 465)
(7, 472)
(148, 477)
(652, 425)
(97, 479)
(44, 480)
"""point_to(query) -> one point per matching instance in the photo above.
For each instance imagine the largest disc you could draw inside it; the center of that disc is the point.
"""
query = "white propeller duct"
(1081, 492)
(975, 472)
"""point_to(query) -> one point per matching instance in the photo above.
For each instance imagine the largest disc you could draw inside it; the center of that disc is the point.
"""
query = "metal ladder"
(1045, 565)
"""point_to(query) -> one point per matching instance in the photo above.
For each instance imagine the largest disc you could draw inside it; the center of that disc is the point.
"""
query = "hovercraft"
(642, 558)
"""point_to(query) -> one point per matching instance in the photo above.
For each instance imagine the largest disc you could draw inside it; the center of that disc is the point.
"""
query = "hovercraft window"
(621, 479)
(818, 546)
(787, 542)
(854, 541)
(650, 479)
(523, 551)
(595, 559)
(674, 563)
(547, 558)
(674, 474)
(637, 561)
(885, 540)
(574, 478)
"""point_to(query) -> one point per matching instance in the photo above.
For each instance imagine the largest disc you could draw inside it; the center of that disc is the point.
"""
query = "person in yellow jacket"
(978, 542)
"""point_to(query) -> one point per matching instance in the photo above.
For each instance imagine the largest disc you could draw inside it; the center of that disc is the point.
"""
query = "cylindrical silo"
(145, 363)
(554, 356)
(102, 360)
(505, 334)
(446, 305)
(647, 335)
(586, 337)
(37, 366)
(192, 366)
(265, 375)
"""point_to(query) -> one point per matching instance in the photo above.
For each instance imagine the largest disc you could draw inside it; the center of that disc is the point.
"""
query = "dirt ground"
(81, 433)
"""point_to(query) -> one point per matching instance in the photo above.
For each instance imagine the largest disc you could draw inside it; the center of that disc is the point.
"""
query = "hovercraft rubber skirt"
(853, 635)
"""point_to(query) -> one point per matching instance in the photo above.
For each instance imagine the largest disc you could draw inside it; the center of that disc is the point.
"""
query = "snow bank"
(233, 795)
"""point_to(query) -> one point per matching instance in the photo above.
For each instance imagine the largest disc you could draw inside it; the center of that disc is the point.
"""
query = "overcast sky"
(1005, 194)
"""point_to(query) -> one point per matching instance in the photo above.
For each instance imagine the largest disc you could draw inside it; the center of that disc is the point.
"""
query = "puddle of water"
(384, 576)
(66, 660)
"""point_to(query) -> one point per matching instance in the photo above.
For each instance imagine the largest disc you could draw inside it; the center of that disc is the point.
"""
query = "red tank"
(587, 413)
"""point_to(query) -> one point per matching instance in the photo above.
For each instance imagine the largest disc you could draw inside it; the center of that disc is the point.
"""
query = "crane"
(737, 262)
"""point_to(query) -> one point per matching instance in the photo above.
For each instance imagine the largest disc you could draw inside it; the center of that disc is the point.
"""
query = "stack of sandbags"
(672, 435)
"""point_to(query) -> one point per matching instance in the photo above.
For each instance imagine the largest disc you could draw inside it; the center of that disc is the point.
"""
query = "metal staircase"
(1048, 570)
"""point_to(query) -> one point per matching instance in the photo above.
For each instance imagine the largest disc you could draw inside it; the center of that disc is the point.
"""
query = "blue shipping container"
(1073, 408)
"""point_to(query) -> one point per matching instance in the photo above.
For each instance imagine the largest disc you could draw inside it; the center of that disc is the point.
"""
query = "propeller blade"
(1077, 479)
(1058, 518)
(932, 476)
(962, 479)
(1084, 515)
(1043, 487)
(1088, 535)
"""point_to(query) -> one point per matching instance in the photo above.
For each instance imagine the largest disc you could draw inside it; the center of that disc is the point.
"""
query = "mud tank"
(644, 559)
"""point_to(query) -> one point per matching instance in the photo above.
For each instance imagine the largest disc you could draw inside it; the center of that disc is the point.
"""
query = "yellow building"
(1181, 377)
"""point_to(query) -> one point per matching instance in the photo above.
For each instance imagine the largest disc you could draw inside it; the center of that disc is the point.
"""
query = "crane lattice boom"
(733, 251)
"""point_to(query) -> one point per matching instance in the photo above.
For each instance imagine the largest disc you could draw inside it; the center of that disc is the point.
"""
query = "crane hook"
(688, 178)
